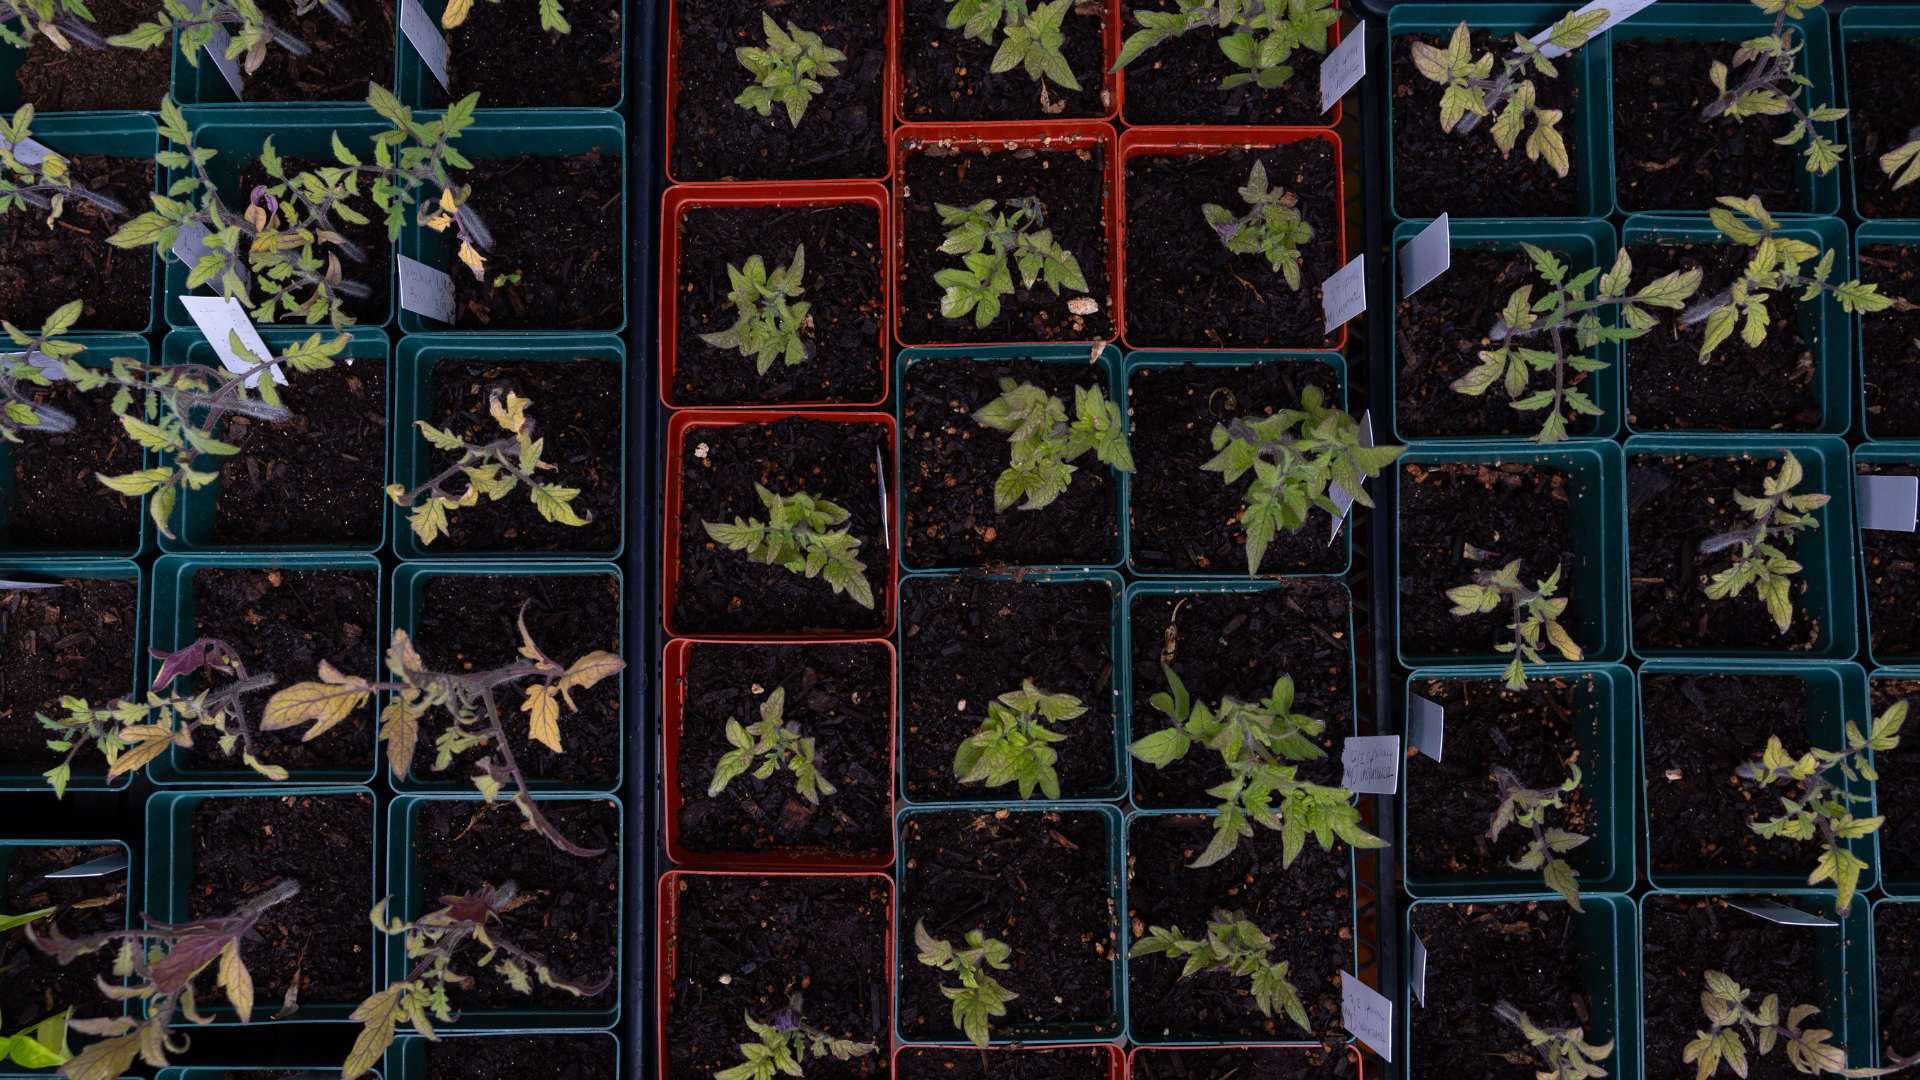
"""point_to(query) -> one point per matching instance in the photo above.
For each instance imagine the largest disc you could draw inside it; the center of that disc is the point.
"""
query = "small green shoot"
(1774, 264)
(1272, 227)
(1760, 562)
(786, 1043)
(1013, 744)
(783, 72)
(986, 241)
(1286, 25)
(1771, 87)
(1528, 809)
(1236, 945)
(1567, 1053)
(768, 327)
(795, 536)
(1535, 612)
(1044, 443)
(1472, 91)
(780, 743)
(978, 996)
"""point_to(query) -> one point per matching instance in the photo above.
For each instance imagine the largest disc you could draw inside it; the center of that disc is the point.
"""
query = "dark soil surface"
(1035, 880)
(343, 61)
(1479, 955)
(572, 918)
(315, 479)
(555, 222)
(77, 640)
(1897, 792)
(1441, 331)
(1893, 576)
(945, 76)
(1509, 511)
(1882, 116)
(94, 80)
(1238, 645)
(723, 591)
(840, 696)
(1072, 187)
(56, 501)
(843, 133)
(502, 52)
(1242, 1063)
(1187, 520)
(469, 624)
(1184, 288)
(375, 271)
(1766, 387)
(576, 411)
(967, 640)
(744, 944)
(844, 297)
(953, 462)
(1530, 733)
(34, 985)
(1890, 343)
(1178, 82)
(42, 267)
(1003, 1063)
(1684, 937)
(1698, 729)
(1668, 515)
(1667, 158)
(560, 1056)
(1305, 910)
(286, 622)
(1435, 171)
(1896, 940)
(243, 846)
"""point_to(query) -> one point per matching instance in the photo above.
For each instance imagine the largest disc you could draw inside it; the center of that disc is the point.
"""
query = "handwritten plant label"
(219, 318)
(1367, 1014)
(425, 290)
(1344, 295)
(427, 39)
(1343, 67)
(1371, 764)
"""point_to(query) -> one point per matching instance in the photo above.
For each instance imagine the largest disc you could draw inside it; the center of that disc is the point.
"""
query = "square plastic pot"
(1587, 72)
(505, 133)
(204, 87)
(418, 89)
(90, 769)
(406, 1059)
(1836, 697)
(175, 605)
(1863, 990)
(195, 512)
(1116, 1057)
(677, 429)
(1596, 516)
(1827, 554)
(1110, 368)
(1174, 359)
(1111, 35)
(1866, 235)
(679, 200)
(1162, 141)
(169, 884)
(1823, 323)
(221, 1072)
(1604, 723)
(1732, 22)
(1356, 1063)
(673, 688)
(404, 887)
(410, 456)
(1329, 119)
(1904, 885)
(1878, 454)
(100, 351)
(1115, 888)
(1582, 245)
(1864, 23)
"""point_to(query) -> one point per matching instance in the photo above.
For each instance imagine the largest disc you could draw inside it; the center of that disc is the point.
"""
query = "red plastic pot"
(680, 199)
(1212, 140)
(1359, 1065)
(673, 692)
(670, 550)
(1116, 1057)
(1329, 119)
(997, 138)
(1111, 32)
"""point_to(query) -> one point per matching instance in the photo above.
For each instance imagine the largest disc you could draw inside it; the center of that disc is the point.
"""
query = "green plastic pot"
(1823, 323)
(406, 1059)
(1827, 554)
(408, 593)
(204, 87)
(1906, 885)
(1025, 1035)
(90, 769)
(1864, 23)
(1867, 235)
(404, 887)
(1596, 512)
(175, 603)
(1116, 791)
(1587, 71)
(221, 1072)
(1604, 723)
(100, 351)
(1110, 367)
(504, 133)
(1876, 453)
(1732, 22)
(410, 459)
(1870, 1051)
(195, 512)
(1169, 359)
(169, 882)
(1580, 244)
(418, 88)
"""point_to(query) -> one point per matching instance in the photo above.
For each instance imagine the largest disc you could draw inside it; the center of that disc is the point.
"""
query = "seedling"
(986, 240)
(1234, 944)
(768, 328)
(1471, 94)
(1732, 1025)
(550, 18)
(436, 939)
(1567, 1053)
(795, 536)
(250, 30)
(1292, 469)
(780, 743)
(1251, 740)
(783, 72)
(1821, 809)
(1286, 24)
(979, 995)
(1528, 809)
(1013, 743)
(1764, 89)
(1905, 156)
(1033, 39)
(1272, 227)
(63, 22)
(787, 1042)
(1044, 443)
(492, 469)
(1760, 562)
(1563, 310)
(46, 184)
(1535, 611)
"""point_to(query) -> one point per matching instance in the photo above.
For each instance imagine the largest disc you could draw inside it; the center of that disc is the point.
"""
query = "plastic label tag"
(1343, 67)
(217, 49)
(220, 317)
(190, 243)
(425, 290)
(27, 151)
(1367, 1014)
(1888, 503)
(1338, 494)
(1425, 257)
(427, 39)
(1617, 11)
(48, 365)
(1344, 295)
(1371, 764)
(1780, 913)
(1418, 976)
(1426, 726)
(4, 585)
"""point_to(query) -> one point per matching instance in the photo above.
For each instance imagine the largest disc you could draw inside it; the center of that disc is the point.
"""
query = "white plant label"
(1344, 295)
(1888, 503)
(220, 317)
(190, 243)
(1425, 257)
(1371, 764)
(5, 585)
(425, 290)
(1617, 11)
(1338, 494)
(1426, 726)
(1780, 913)
(1368, 1015)
(1418, 976)
(1343, 67)
(427, 39)
(27, 151)
(217, 49)
(48, 365)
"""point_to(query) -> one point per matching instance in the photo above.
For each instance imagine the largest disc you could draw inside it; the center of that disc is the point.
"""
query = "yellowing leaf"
(236, 980)
(588, 670)
(471, 256)
(543, 716)
(326, 702)
(456, 13)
